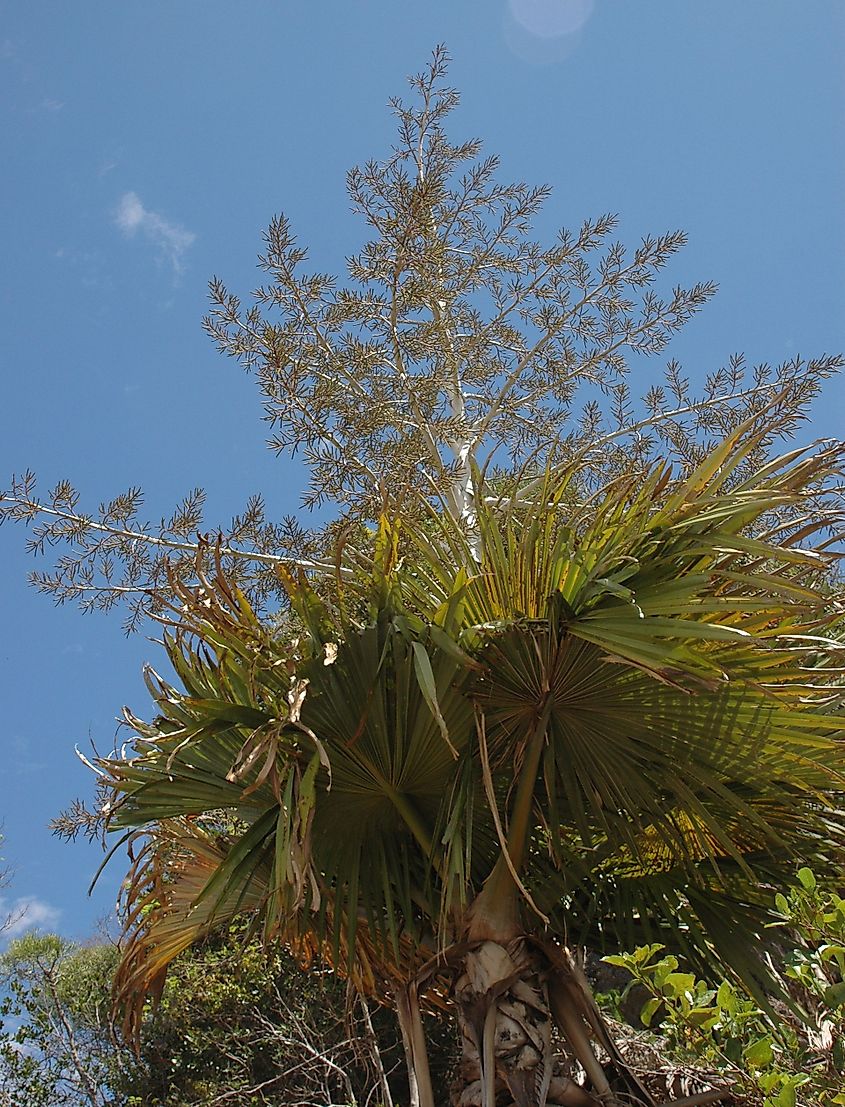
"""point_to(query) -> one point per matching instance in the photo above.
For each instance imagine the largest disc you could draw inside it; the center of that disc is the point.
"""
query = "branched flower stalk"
(457, 345)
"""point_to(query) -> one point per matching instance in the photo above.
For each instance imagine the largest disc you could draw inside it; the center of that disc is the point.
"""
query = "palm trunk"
(512, 989)
(505, 1021)
(509, 997)
(511, 993)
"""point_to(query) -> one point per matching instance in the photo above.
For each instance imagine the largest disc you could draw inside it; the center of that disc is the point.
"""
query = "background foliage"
(239, 1025)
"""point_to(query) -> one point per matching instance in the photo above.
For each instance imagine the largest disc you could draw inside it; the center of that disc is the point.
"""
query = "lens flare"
(551, 18)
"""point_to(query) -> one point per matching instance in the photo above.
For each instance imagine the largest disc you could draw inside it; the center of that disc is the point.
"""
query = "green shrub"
(789, 1052)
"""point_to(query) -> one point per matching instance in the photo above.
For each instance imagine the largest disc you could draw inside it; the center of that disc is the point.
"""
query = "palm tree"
(588, 719)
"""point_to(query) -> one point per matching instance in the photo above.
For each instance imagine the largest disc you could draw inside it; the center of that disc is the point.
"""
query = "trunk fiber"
(510, 996)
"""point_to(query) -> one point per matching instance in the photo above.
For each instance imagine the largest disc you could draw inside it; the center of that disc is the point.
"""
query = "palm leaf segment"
(623, 712)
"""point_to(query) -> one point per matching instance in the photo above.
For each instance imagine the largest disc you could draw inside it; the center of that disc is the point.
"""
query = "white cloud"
(26, 913)
(170, 240)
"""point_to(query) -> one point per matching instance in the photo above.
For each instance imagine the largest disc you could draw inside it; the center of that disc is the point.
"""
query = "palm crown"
(599, 718)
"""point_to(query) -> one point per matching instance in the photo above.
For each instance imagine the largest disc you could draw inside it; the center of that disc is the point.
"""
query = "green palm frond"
(686, 668)
(331, 767)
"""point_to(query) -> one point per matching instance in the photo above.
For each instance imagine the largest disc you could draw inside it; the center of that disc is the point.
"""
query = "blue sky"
(146, 146)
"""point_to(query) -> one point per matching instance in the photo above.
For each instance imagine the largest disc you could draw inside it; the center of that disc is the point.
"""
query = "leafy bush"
(234, 1023)
(786, 1052)
(55, 1046)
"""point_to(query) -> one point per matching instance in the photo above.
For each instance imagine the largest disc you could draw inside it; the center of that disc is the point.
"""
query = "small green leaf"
(786, 1096)
(807, 879)
(664, 968)
(703, 1017)
(733, 1049)
(679, 983)
(649, 1010)
(759, 1054)
(619, 962)
(645, 953)
(726, 997)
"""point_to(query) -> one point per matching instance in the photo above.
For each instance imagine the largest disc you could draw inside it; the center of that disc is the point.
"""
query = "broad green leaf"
(759, 1054)
(678, 983)
(807, 878)
(650, 1008)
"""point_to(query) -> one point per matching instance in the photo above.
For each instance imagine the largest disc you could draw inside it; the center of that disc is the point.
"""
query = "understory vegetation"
(238, 1024)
